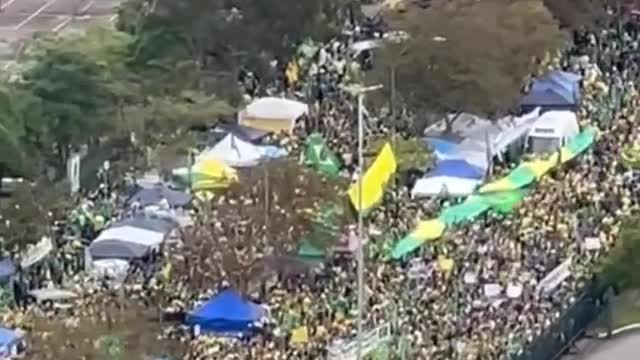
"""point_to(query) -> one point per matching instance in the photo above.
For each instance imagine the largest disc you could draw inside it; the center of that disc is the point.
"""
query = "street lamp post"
(360, 91)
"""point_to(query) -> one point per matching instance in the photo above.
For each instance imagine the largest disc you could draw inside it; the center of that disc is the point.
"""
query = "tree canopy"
(455, 60)
(622, 265)
(218, 35)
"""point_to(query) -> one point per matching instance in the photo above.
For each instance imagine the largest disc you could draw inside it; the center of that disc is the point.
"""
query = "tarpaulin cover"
(457, 168)
(501, 200)
(444, 185)
(234, 152)
(227, 312)
(152, 196)
(547, 97)
(8, 338)
(440, 146)
(374, 180)
(7, 268)
(318, 156)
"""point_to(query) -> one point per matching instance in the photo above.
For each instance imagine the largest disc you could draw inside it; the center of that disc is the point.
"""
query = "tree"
(21, 131)
(455, 60)
(70, 86)
(622, 264)
(219, 35)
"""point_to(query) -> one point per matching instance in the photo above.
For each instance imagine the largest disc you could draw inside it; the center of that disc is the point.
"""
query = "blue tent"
(547, 99)
(226, 313)
(565, 83)
(8, 339)
(457, 168)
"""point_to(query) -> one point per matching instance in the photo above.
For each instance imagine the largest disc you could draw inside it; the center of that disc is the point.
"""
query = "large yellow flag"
(374, 180)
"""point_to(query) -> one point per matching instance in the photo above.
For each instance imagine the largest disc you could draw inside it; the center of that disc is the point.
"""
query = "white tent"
(446, 185)
(234, 152)
(125, 242)
(272, 114)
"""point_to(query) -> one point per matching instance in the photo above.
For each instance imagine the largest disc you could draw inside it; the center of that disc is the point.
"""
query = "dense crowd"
(448, 312)
(444, 313)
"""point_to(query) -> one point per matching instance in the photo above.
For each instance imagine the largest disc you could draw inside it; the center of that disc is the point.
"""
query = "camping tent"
(272, 114)
(550, 96)
(10, 342)
(125, 242)
(234, 151)
(153, 195)
(227, 313)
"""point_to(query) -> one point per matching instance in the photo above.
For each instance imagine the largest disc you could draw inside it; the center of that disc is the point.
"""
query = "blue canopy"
(564, 83)
(457, 168)
(441, 146)
(7, 268)
(547, 97)
(228, 312)
(8, 338)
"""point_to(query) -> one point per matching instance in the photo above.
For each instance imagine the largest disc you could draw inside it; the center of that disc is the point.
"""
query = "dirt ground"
(79, 337)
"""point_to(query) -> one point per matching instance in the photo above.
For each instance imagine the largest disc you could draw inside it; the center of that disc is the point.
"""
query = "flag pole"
(359, 92)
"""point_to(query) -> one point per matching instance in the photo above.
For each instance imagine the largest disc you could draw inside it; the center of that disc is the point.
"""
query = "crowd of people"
(446, 312)
(449, 313)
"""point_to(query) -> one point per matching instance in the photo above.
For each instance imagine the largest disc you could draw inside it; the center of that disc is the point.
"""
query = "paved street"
(20, 19)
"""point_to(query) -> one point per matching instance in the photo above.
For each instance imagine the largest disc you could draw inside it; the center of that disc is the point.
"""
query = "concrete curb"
(620, 330)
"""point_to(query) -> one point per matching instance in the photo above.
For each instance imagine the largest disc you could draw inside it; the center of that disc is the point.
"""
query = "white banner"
(38, 252)
(73, 172)
(554, 278)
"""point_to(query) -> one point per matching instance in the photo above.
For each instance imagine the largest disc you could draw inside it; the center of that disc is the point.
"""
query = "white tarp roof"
(447, 185)
(276, 108)
(234, 152)
(125, 242)
(561, 124)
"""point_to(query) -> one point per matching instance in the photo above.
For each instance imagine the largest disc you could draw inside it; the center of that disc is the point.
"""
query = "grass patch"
(626, 308)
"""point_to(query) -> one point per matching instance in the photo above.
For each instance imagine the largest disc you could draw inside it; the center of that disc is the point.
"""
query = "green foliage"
(623, 262)
(20, 130)
(457, 61)
(246, 31)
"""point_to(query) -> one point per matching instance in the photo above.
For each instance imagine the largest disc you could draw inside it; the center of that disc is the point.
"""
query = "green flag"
(318, 156)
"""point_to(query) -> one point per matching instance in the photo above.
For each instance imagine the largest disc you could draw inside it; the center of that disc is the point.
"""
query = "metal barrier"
(560, 336)
(371, 340)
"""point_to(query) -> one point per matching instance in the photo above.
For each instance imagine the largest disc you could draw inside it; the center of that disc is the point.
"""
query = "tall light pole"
(360, 91)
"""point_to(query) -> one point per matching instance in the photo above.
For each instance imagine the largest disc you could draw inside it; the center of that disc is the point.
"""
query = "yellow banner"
(374, 180)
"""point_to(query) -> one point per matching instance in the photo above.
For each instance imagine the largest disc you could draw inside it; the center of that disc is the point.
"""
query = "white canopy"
(272, 114)
(125, 242)
(234, 152)
(447, 185)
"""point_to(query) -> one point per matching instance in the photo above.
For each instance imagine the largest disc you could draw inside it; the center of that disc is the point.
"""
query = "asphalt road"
(20, 19)
(621, 347)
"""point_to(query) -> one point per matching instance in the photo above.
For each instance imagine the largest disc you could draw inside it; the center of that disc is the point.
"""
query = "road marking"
(70, 18)
(35, 13)
(3, 6)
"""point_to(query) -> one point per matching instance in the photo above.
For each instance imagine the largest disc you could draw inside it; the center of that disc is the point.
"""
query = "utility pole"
(360, 91)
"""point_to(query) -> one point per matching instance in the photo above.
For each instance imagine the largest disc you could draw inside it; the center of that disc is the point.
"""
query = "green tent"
(318, 156)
